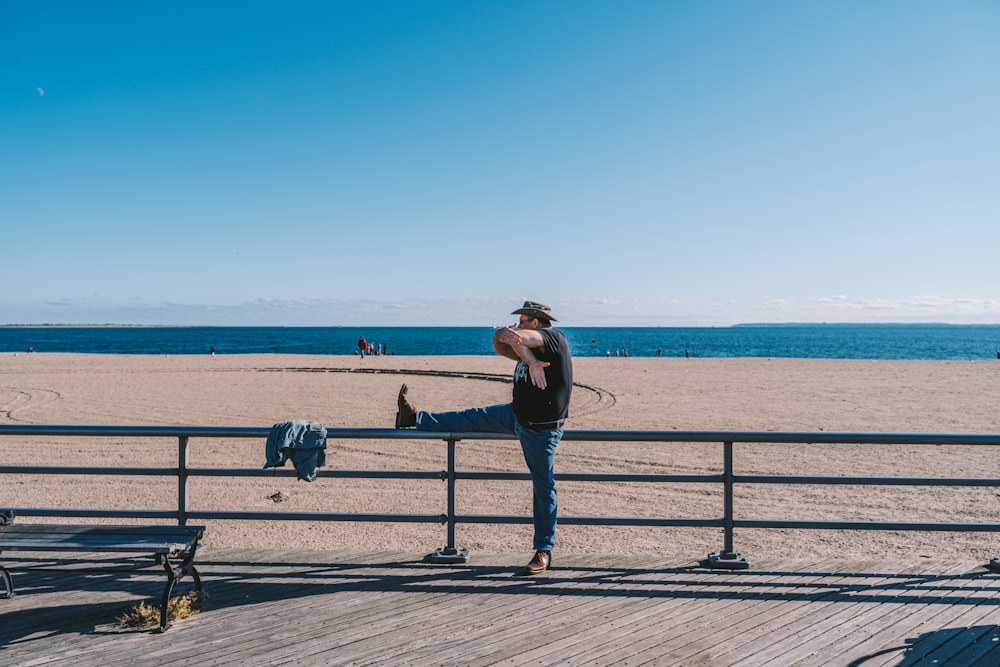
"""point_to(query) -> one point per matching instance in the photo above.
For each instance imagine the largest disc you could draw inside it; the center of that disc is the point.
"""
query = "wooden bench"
(173, 546)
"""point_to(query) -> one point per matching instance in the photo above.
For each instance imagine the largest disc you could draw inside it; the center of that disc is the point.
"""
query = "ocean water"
(814, 341)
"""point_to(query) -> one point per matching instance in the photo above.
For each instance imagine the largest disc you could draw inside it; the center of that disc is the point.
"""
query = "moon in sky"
(41, 92)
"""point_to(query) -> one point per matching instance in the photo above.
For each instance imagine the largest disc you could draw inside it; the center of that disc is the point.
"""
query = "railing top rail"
(801, 437)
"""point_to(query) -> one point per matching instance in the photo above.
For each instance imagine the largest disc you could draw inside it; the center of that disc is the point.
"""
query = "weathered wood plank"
(629, 596)
(552, 593)
(672, 606)
(886, 605)
(857, 614)
(516, 628)
(358, 608)
(925, 619)
(706, 608)
(748, 609)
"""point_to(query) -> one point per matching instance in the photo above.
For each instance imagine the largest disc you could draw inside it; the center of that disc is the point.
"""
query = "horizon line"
(112, 325)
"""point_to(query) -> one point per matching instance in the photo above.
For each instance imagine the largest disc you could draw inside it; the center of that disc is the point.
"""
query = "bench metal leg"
(175, 574)
(7, 584)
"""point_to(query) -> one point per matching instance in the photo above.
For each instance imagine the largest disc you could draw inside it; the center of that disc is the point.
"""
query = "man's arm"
(501, 345)
(513, 337)
(516, 345)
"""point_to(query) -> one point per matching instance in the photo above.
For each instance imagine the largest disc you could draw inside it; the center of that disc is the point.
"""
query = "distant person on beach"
(211, 351)
(362, 346)
(543, 381)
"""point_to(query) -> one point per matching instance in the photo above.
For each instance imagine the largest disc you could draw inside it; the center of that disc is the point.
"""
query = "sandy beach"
(615, 394)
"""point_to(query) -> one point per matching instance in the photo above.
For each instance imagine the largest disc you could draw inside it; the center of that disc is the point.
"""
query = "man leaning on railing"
(543, 381)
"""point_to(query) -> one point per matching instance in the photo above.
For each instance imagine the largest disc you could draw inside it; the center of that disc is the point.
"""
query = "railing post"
(727, 559)
(182, 480)
(449, 553)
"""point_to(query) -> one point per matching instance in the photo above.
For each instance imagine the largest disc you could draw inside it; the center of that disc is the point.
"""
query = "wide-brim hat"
(535, 309)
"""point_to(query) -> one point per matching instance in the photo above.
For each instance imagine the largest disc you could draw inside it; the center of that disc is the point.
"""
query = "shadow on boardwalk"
(921, 650)
(364, 608)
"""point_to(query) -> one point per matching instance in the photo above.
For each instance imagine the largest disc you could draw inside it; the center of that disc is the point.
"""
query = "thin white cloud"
(270, 311)
(915, 308)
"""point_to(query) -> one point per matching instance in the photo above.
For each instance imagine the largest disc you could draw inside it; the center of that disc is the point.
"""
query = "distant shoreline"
(405, 326)
(97, 326)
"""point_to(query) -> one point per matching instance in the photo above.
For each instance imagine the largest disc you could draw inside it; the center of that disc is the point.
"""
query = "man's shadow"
(979, 644)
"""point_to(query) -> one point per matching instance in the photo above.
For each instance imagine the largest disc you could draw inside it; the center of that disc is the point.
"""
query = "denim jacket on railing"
(302, 441)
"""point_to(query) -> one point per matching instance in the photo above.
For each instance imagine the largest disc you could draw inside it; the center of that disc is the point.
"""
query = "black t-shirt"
(536, 406)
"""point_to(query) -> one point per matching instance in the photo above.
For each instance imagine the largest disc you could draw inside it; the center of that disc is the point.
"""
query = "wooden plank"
(358, 613)
(645, 623)
(762, 608)
(712, 631)
(441, 616)
(807, 618)
(951, 634)
(896, 611)
(761, 626)
(556, 619)
(375, 648)
(751, 606)
(509, 626)
(967, 646)
(905, 625)
(275, 607)
(710, 621)
(848, 612)
(989, 658)
(667, 599)
(489, 623)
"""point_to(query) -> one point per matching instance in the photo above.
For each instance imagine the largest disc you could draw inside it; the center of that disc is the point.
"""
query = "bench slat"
(18, 528)
(104, 545)
(68, 537)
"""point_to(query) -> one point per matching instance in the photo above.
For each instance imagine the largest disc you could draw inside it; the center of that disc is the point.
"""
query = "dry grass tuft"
(142, 615)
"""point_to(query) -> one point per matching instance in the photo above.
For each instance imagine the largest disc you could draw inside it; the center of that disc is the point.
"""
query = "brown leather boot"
(538, 564)
(406, 414)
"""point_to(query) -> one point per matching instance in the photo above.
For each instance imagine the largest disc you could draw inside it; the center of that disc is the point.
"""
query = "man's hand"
(508, 335)
(536, 371)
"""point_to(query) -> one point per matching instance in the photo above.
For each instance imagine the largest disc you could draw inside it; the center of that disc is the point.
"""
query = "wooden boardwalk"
(358, 608)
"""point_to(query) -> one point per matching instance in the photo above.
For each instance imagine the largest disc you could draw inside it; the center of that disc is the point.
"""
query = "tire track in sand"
(593, 400)
(13, 401)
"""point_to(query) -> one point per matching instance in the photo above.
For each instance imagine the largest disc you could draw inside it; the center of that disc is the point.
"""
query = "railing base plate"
(994, 564)
(728, 561)
(448, 555)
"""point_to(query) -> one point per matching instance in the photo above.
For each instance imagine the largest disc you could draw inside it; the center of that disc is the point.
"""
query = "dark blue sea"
(817, 341)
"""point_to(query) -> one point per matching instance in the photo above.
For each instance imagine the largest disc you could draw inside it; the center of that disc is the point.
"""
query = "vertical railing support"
(727, 559)
(182, 480)
(449, 553)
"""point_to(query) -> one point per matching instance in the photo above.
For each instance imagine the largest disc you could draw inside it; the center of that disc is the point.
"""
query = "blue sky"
(434, 163)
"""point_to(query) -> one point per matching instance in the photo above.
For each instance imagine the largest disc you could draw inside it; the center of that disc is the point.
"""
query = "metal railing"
(727, 557)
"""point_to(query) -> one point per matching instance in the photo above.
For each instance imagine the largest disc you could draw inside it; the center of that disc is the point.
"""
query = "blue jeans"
(538, 447)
